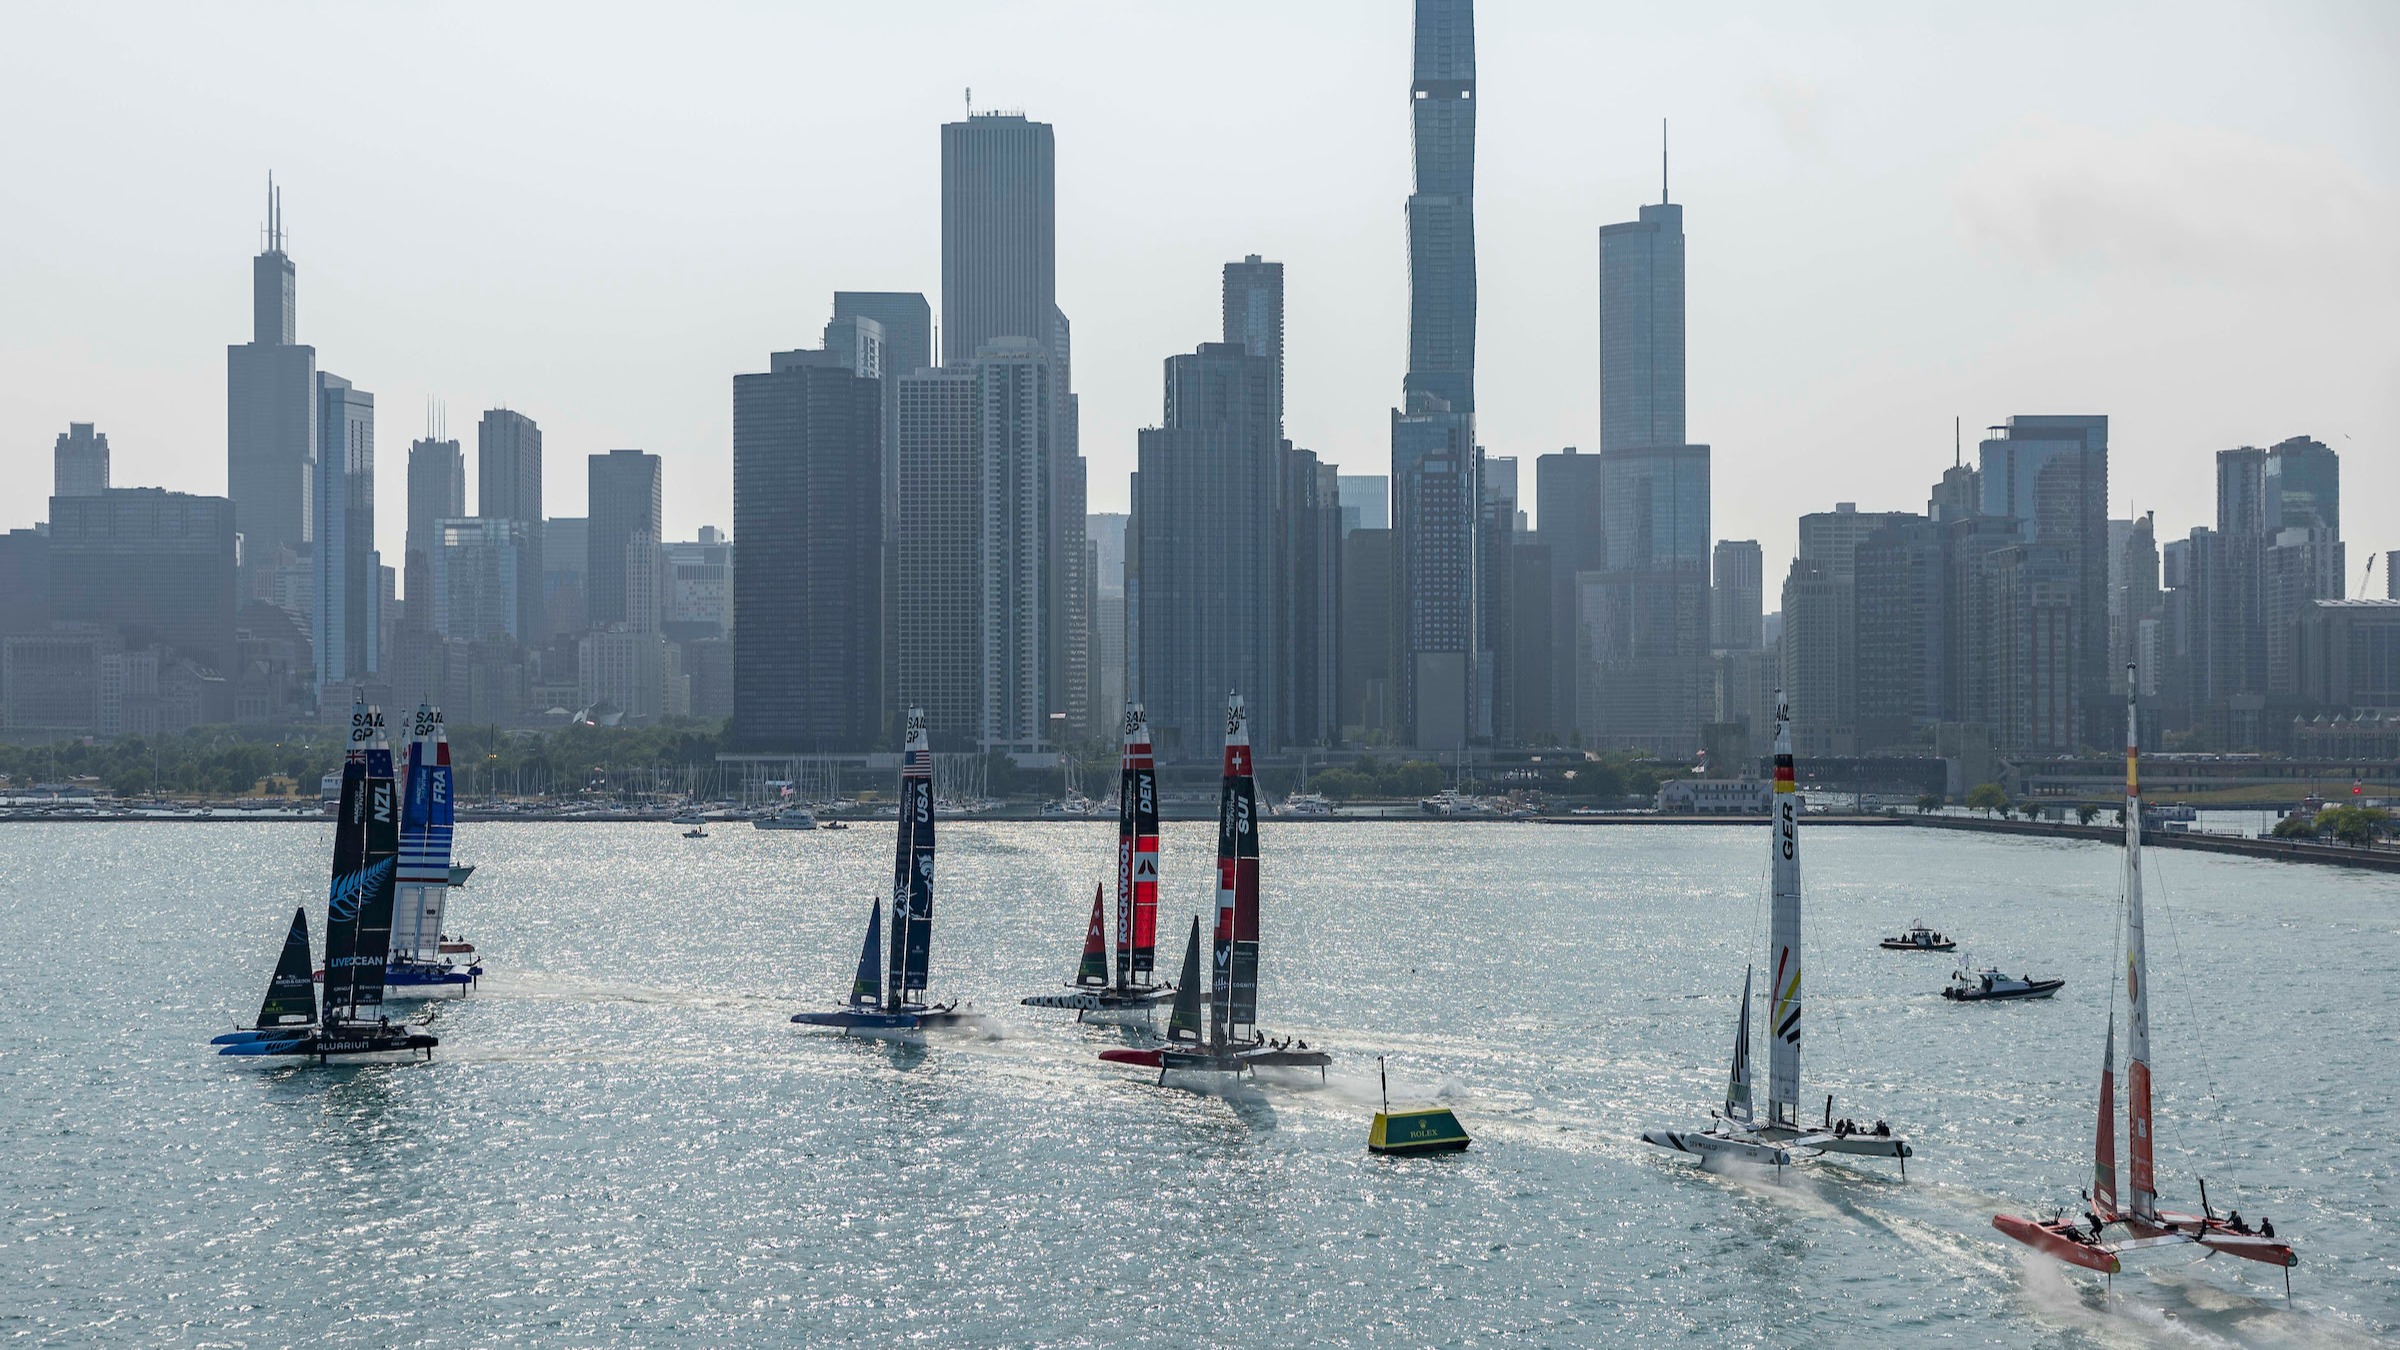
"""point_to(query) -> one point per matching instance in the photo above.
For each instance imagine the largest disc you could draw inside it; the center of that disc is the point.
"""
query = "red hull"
(1148, 1059)
(2049, 1240)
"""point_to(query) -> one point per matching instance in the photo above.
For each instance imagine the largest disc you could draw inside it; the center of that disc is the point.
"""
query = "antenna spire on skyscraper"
(1662, 161)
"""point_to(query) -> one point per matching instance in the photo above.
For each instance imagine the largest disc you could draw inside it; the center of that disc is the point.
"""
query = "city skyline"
(1957, 295)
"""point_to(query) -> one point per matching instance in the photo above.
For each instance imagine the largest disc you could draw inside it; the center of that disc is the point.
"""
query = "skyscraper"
(1253, 310)
(2050, 474)
(1567, 490)
(437, 491)
(1441, 212)
(79, 462)
(999, 234)
(1022, 604)
(907, 324)
(478, 568)
(270, 409)
(1641, 328)
(938, 594)
(1642, 625)
(1201, 553)
(808, 575)
(347, 626)
(1439, 666)
(1366, 502)
(508, 463)
(1737, 594)
(626, 510)
(155, 566)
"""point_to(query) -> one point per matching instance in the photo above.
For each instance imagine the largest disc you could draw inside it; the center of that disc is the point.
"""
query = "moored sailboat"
(2145, 1225)
(1131, 996)
(892, 1003)
(358, 926)
(1232, 1042)
(1779, 1138)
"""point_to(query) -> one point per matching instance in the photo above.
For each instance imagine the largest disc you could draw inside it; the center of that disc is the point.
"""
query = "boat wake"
(2175, 1304)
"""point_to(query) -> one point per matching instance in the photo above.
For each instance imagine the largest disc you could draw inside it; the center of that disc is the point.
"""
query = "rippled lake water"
(623, 1141)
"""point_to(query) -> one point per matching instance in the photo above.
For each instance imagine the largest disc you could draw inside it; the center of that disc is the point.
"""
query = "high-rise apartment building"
(1737, 595)
(1441, 211)
(1253, 312)
(270, 409)
(1202, 551)
(626, 508)
(1309, 598)
(508, 462)
(938, 595)
(1439, 669)
(808, 575)
(437, 491)
(906, 321)
(79, 462)
(347, 626)
(1106, 532)
(1896, 603)
(2050, 475)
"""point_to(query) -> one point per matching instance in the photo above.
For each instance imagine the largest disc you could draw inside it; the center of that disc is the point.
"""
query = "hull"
(2051, 1239)
(426, 979)
(1902, 945)
(2218, 1236)
(875, 1022)
(345, 1045)
(2033, 989)
(1107, 1007)
(1704, 1145)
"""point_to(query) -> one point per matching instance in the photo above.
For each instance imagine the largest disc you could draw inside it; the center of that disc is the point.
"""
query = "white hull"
(1706, 1146)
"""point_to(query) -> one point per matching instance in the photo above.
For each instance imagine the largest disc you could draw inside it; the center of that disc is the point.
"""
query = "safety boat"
(1780, 1138)
(352, 1027)
(2143, 1224)
(1231, 1043)
(887, 999)
(1134, 993)
(1919, 938)
(1988, 984)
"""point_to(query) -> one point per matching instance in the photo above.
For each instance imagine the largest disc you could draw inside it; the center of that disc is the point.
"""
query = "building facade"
(79, 462)
(271, 410)
(346, 629)
(626, 502)
(508, 461)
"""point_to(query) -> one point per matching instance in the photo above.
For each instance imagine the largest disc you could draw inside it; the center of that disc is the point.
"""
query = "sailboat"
(1231, 1042)
(358, 927)
(1131, 996)
(1779, 1138)
(425, 962)
(888, 999)
(2144, 1224)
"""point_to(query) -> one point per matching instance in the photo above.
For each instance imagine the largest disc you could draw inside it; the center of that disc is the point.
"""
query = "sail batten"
(1783, 934)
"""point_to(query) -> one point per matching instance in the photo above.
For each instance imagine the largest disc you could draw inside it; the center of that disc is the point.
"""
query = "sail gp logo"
(349, 891)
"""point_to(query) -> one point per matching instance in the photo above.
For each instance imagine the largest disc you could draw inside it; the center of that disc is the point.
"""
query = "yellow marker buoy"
(1430, 1129)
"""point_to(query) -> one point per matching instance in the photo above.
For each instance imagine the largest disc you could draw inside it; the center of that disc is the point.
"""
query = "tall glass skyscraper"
(348, 623)
(271, 409)
(1641, 329)
(1440, 666)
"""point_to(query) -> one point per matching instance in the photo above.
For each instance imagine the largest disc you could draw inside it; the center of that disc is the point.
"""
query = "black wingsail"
(912, 871)
(1183, 1023)
(349, 853)
(382, 868)
(292, 994)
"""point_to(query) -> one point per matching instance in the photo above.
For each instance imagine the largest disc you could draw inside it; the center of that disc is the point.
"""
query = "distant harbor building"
(80, 462)
(270, 409)
(1715, 797)
(346, 628)
(808, 577)
(627, 507)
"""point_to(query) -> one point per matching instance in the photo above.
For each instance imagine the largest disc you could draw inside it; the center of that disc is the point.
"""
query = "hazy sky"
(2186, 216)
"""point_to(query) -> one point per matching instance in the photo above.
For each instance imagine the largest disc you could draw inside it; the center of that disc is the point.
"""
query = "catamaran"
(1232, 1042)
(888, 1000)
(1134, 992)
(358, 928)
(426, 962)
(2145, 1225)
(1737, 1132)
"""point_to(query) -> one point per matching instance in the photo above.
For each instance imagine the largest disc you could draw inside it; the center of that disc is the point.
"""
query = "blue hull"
(400, 976)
